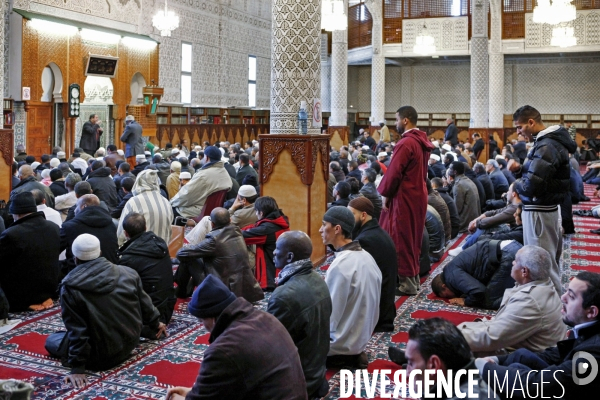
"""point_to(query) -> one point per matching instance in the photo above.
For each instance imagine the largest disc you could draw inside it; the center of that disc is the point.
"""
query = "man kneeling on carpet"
(478, 276)
(104, 308)
(251, 355)
(354, 281)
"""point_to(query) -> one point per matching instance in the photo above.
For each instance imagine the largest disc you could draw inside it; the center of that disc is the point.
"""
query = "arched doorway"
(137, 86)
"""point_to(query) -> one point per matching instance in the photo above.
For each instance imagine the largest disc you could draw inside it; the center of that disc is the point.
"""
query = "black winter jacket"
(95, 221)
(488, 186)
(378, 243)
(302, 303)
(435, 229)
(480, 190)
(148, 255)
(27, 185)
(29, 258)
(58, 188)
(118, 210)
(482, 273)
(104, 187)
(546, 172)
(103, 308)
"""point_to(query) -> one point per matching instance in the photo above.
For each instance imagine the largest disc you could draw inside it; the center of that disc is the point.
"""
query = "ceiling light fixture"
(165, 21)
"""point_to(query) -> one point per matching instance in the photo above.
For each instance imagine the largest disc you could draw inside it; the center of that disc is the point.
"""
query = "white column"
(377, 63)
(339, 78)
(325, 76)
(295, 62)
(479, 65)
(496, 68)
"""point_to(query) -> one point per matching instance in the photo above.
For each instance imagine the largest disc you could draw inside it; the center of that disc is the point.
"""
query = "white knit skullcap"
(86, 247)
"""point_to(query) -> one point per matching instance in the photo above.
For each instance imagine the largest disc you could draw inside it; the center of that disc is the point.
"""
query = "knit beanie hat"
(213, 153)
(86, 247)
(54, 162)
(22, 203)
(362, 204)
(341, 216)
(30, 159)
(210, 298)
(250, 180)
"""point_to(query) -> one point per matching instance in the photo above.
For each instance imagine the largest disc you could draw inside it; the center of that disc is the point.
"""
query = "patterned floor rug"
(155, 365)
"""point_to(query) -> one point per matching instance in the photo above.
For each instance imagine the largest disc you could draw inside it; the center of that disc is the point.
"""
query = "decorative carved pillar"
(479, 70)
(377, 63)
(496, 71)
(7, 146)
(294, 169)
(295, 62)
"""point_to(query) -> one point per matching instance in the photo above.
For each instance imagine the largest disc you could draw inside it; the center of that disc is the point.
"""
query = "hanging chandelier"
(555, 12)
(424, 43)
(165, 21)
(563, 36)
(333, 16)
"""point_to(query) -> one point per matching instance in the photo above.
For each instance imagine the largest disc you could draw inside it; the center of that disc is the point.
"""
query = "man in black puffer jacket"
(544, 183)
(148, 255)
(90, 218)
(481, 273)
(103, 184)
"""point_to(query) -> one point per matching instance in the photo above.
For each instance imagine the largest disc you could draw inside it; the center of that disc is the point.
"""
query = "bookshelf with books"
(8, 116)
(178, 115)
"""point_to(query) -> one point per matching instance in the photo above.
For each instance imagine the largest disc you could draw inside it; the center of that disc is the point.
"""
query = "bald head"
(296, 242)
(220, 217)
(25, 171)
(87, 200)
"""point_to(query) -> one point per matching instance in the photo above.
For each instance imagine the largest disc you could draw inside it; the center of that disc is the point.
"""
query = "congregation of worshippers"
(115, 237)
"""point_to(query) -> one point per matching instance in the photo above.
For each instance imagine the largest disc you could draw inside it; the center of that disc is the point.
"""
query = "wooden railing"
(205, 132)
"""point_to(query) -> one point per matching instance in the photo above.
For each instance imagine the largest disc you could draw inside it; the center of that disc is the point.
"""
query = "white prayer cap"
(436, 143)
(34, 165)
(61, 154)
(147, 153)
(361, 131)
(140, 157)
(176, 166)
(185, 175)
(447, 147)
(247, 191)
(45, 173)
(365, 147)
(174, 151)
(435, 157)
(130, 118)
(382, 154)
(499, 157)
(54, 162)
(120, 152)
(86, 247)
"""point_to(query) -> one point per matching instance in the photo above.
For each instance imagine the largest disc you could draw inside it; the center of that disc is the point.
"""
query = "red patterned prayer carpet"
(155, 365)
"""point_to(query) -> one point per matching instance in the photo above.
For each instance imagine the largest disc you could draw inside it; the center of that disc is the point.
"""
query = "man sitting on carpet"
(104, 308)
(436, 344)
(223, 254)
(354, 281)
(378, 243)
(251, 355)
(529, 316)
(29, 251)
(148, 255)
(478, 276)
(302, 304)
(565, 367)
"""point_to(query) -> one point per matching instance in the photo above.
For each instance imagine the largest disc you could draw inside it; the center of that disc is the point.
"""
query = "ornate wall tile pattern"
(339, 78)
(586, 30)
(449, 33)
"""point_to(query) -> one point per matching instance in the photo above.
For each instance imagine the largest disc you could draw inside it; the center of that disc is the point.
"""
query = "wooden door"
(39, 128)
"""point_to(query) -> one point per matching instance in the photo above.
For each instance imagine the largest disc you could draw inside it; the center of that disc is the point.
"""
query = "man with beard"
(562, 365)
(405, 197)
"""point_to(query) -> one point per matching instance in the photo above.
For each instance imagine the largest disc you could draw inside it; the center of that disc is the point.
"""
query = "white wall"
(556, 85)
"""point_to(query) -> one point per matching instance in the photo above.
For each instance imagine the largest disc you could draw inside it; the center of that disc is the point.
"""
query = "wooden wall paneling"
(339, 135)
(317, 198)
(437, 135)
(464, 136)
(7, 145)
(39, 128)
(238, 137)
